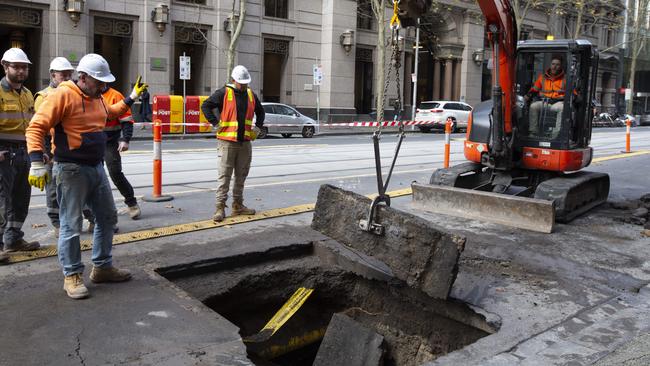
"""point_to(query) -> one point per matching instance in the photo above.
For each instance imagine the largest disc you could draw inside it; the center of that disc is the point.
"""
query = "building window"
(364, 14)
(276, 8)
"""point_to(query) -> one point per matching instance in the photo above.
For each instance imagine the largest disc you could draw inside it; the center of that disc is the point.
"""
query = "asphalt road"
(286, 172)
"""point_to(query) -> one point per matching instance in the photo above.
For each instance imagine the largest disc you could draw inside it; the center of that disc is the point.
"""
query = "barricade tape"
(343, 124)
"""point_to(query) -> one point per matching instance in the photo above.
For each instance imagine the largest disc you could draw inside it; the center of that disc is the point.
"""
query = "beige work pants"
(536, 109)
(235, 158)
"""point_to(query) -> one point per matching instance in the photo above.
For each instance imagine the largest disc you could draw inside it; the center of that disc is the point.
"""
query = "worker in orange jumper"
(78, 114)
(115, 144)
(550, 88)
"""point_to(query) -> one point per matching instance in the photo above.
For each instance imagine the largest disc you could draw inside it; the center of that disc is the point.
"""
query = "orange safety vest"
(228, 124)
(112, 96)
(550, 86)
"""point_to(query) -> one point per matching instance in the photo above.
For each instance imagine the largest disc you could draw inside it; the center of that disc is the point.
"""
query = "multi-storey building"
(280, 43)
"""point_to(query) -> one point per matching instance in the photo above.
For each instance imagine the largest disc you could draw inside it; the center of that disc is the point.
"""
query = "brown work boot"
(238, 208)
(22, 245)
(109, 274)
(220, 213)
(74, 286)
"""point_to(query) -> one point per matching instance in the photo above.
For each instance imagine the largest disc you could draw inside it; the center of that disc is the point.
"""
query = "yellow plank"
(285, 313)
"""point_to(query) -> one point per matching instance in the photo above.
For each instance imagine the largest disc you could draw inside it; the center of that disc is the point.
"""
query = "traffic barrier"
(195, 121)
(157, 195)
(168, 109)
(448, 125)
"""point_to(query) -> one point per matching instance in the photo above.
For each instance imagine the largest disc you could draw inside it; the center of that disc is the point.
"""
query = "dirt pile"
(636, 212)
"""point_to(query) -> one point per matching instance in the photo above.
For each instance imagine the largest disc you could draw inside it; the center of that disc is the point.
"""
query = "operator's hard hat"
(96, 67)
(60, 64)
(15, 55)
(241, 75)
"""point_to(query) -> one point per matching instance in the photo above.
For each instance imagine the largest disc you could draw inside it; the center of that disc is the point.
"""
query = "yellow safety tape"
(620, 156)
(49, 251)
(281, 316)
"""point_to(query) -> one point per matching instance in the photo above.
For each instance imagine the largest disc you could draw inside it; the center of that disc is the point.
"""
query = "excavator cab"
(558, 116)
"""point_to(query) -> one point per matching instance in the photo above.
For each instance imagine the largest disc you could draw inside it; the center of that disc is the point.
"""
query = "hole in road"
(249, 289)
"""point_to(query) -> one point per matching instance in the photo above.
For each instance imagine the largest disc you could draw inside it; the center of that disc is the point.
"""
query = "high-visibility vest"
(550, 87)
(112, 96)
(228, 124)
(39, 97)
(16, 110)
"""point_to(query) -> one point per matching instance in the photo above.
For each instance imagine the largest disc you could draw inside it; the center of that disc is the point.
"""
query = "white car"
(284, 120)
(437, 112)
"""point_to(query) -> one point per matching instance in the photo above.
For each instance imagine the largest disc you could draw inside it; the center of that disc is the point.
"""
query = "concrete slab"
(418, 252)
(347, 342)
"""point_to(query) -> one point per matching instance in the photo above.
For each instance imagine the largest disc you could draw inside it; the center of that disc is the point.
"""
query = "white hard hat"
(96, 67)
(60, 64)
(15, 55)
(240, 74)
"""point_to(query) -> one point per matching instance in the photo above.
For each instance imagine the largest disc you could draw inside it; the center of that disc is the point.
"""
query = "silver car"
(286, 121)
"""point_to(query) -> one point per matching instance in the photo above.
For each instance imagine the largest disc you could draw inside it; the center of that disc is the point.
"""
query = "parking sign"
(318, 74)
(184, 67)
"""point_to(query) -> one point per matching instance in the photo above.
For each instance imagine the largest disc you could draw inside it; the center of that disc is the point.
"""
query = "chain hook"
(395, 23)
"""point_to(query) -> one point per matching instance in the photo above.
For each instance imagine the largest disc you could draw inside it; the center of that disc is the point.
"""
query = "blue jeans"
(78, 186)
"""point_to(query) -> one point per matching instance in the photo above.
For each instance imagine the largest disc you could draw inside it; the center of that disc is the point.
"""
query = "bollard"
(628, 123)
(157, 195)
(447, 141)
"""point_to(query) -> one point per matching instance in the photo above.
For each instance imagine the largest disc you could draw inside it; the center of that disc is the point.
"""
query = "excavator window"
(542, 79)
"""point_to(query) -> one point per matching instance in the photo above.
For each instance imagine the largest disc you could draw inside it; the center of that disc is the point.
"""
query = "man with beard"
(16, 109)
(78, 114)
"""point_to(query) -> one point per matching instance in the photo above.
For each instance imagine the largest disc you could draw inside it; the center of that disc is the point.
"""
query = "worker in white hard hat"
(60, 70)
(236, 103)
(16, 109)
(78, 114)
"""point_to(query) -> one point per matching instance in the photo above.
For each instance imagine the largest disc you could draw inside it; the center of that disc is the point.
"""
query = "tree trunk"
(380, 14)
(232, 47)
(637, 45)
(580, 9)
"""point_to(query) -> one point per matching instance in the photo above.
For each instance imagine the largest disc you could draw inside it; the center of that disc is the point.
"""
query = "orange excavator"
(526, 149)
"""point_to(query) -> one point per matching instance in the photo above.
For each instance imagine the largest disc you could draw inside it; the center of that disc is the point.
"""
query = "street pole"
(183, 100)
(415, 83)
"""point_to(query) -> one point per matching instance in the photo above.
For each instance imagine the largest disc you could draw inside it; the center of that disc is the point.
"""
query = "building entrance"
(112, 40)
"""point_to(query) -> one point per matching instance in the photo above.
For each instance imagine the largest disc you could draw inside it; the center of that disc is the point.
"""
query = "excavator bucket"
(520, 212)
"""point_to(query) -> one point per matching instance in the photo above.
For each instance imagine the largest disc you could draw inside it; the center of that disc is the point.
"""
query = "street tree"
(238, 21)
(639, 40)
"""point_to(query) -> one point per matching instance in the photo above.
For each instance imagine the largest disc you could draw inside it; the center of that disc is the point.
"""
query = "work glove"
(138, 88)
(254, 132)
(38, 176)
(122, 146)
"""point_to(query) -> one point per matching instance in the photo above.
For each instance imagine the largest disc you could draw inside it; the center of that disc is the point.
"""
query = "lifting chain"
(371, 224)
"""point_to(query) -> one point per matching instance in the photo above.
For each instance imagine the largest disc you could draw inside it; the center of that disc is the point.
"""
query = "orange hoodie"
(78, 122)
(550, 86)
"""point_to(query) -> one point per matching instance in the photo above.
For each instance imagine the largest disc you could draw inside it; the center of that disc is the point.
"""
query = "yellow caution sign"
(282, 316)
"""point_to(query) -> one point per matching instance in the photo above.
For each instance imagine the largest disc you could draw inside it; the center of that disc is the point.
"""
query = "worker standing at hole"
(78, 114)
(16, 109)
(236, 103)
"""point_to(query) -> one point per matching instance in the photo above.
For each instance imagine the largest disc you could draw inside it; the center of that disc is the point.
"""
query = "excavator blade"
(520, 212)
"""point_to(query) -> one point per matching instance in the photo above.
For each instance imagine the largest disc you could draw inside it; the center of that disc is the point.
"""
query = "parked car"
(438, 111)
(284, 120)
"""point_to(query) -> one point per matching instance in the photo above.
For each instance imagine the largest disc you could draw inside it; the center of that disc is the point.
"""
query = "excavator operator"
(550, 88)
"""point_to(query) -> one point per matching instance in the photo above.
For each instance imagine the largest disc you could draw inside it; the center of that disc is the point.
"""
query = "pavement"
(577, 296)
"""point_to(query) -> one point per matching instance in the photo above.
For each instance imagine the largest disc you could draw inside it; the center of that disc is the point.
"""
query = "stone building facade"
(280, 43)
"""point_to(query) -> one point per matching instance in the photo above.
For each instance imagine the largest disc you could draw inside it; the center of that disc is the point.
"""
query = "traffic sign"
(318, 74)
(184, 67)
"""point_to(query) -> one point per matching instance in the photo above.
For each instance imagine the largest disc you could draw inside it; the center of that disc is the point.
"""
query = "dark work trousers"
(50, 199)
(113, 162)
(15, 191)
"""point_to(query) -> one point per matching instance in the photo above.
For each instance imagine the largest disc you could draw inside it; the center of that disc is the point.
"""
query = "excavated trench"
(249, 289)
